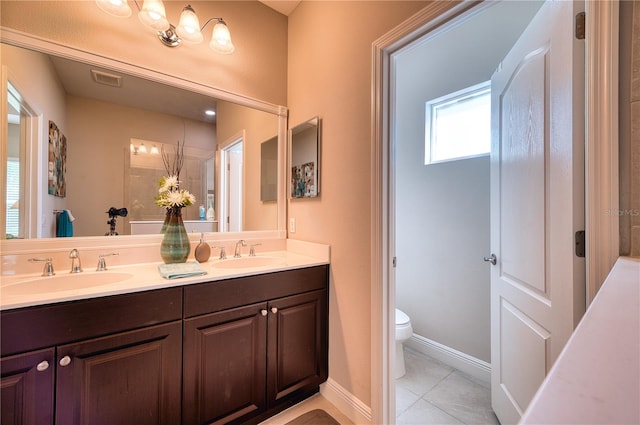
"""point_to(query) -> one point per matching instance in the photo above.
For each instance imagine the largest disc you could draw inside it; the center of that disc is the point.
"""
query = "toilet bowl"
(403, 333)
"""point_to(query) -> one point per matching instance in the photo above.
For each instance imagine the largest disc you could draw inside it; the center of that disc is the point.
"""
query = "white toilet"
(403, 333)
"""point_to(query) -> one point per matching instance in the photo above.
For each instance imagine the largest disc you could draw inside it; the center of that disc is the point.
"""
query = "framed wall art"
(57, 166)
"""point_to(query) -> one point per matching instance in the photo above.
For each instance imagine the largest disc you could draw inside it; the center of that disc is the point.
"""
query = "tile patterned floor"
(432, 393)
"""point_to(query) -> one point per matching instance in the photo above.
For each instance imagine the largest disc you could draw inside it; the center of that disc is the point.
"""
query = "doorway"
(441, 202)
(20, 127)
(601, 137)
(231, 184)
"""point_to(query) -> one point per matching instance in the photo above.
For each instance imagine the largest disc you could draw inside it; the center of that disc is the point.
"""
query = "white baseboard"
(352, 407)
(470, 365)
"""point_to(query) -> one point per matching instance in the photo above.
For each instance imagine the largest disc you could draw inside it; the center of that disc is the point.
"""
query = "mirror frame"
(28, 41)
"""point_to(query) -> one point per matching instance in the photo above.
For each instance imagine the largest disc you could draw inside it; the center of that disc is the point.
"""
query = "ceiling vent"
(106, 78)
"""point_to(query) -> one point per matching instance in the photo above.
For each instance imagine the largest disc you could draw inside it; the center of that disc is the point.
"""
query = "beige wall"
(256, 69)
(330, 76)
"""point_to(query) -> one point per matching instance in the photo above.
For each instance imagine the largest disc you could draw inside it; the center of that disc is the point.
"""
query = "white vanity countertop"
(596, 379)
(144, 277)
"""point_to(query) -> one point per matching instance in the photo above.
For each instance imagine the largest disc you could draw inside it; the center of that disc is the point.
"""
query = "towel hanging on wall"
(64, 225)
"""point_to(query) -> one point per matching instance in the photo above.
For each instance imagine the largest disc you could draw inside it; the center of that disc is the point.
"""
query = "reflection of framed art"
(303, 182)
(57, 161)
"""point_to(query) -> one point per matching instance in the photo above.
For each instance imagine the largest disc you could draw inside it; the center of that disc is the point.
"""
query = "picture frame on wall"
(57, 164)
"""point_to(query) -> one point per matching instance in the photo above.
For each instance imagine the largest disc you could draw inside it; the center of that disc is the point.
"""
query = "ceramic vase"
(175, 245)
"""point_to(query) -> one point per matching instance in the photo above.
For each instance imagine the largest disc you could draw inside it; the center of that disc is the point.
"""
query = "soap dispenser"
(202, 251)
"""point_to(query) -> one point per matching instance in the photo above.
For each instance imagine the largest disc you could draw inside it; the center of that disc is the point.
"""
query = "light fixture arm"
(219, 20)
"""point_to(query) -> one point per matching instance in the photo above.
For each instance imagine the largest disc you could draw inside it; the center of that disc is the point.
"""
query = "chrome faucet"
(223, 252)
(241, 242)
(48, 266)
(75, 255)
(102, 264)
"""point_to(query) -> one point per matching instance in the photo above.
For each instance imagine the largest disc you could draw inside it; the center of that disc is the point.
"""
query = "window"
(458, 125)
(13, 194)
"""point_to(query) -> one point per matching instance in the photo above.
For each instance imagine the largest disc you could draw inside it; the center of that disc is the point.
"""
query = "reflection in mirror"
(21, 126)
(305, 159)
(231, 203)
(99, 122)
(269, 170)
(146, 167)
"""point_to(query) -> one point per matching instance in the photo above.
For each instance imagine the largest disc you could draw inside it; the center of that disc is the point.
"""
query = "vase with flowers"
(175, 246)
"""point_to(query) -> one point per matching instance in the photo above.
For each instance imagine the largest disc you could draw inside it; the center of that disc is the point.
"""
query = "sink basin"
(63, 282)
(249, 262)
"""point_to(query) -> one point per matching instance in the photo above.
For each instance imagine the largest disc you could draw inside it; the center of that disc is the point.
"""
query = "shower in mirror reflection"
(153, 15)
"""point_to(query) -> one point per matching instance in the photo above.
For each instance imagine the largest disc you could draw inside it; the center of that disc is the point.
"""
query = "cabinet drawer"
(216, 296)
(45, 326)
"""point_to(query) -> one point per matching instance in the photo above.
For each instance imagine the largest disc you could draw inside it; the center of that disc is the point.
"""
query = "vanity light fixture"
(152, 14)
(143, 149)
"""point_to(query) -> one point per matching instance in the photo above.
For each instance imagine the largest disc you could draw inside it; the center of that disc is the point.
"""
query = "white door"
(537, 205)
(231, 187)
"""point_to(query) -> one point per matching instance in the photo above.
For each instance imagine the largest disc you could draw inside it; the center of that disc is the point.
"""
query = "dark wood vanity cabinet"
(112, 360)
(27, 388)
(244, 364)
(225, 352)
(127, 378)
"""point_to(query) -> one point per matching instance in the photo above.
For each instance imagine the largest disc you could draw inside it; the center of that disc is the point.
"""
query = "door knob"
(65, 361)
(263, 312)
(274, 310)
(42, 366)
(492, 259)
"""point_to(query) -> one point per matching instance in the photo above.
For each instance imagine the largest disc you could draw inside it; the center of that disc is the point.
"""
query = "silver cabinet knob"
(42, 366)
(274, 310)
(65, 361)
(492, 259)
(263, 312)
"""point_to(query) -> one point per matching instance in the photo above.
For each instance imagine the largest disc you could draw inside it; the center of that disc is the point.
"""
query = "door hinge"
(394, 261)
(581, 29)
(580, 244)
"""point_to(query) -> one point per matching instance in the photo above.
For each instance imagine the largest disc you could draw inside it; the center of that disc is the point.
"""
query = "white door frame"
(601, 171)
(223, 197)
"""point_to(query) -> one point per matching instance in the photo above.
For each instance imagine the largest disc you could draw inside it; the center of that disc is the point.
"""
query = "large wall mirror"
(109, 127)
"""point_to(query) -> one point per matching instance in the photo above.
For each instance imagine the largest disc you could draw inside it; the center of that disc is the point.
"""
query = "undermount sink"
(248, 262)
(63, 282)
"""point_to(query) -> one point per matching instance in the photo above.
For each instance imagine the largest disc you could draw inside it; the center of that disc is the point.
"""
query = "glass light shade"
(221, 39)
(188, 28)
(142, 148)
(154, 150)
(153, 15)
(118, 8)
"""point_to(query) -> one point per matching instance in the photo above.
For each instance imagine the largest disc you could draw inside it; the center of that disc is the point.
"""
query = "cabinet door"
(26, 388)
(127, 378)
(225, 366)
(297, 345)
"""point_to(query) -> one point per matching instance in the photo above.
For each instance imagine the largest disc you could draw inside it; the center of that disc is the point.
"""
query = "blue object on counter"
(202, 212)
(178, 270)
